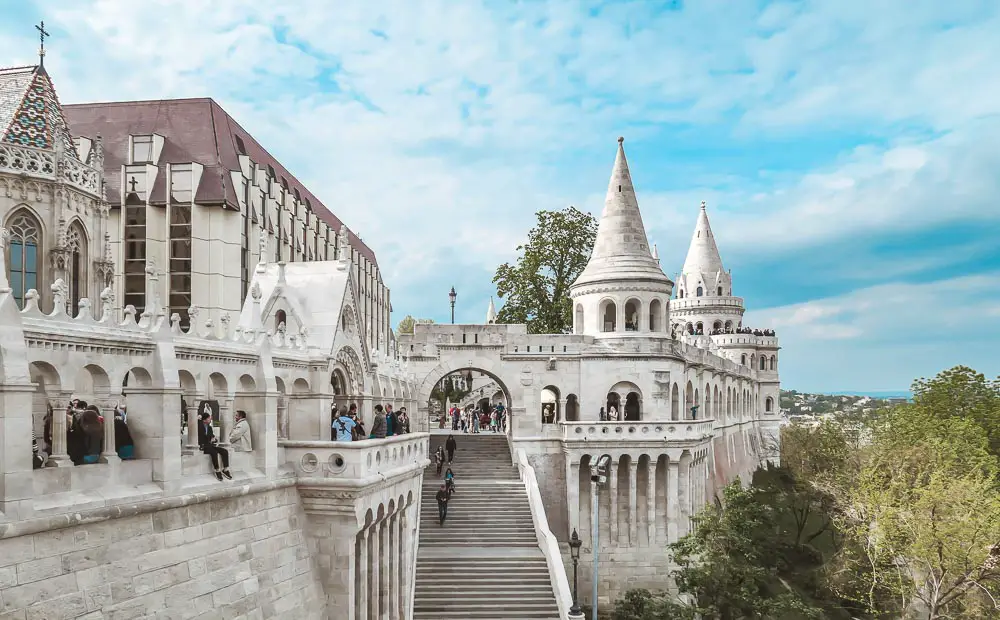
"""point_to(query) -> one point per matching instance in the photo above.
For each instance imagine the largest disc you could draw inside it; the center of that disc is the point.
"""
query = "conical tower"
(622, 289)
(491, 313)
(704, 288)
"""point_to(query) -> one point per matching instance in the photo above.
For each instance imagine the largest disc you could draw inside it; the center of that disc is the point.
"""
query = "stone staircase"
(484, 563)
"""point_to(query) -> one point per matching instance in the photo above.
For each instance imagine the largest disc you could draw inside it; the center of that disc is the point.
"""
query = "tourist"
(449, 481)
(475, 421)
(92, 435)
(124, 445)
(334, 416)
(378, 426)
(37, 459)
(403, 420)
(239, 437)
(439, 459)
(613, 413)
(47, 429)
(450, 446)
(359, 433)
(390, 421)
(209, 445)
(442, 500)
(343, 426)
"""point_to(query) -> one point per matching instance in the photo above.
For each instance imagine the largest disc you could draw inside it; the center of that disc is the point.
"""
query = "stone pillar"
(672, 491)
(363, 574)
(684, 495)
(633, 502)
(59, 456)
(283, 418)
(403, 552)
(573, 492)
(385, 571)
(613, 512)
(110, 452)
(651, 501)
(392, 608)
(191, 412)
(225, 422)
(375, 580)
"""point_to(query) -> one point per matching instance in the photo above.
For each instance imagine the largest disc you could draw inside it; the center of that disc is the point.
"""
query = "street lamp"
(574, 552)
(452, 295)
(598, 476)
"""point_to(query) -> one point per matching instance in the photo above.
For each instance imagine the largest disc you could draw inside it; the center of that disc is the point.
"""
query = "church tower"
(53, 213)
(622, 290)
(705, 302)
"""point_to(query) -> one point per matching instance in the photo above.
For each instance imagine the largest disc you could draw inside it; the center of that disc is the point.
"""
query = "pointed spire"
(621, 250)
(491, 313)
(656, 254)
(703, 255)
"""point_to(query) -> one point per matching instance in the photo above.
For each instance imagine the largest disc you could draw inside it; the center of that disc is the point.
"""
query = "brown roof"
(194, 130)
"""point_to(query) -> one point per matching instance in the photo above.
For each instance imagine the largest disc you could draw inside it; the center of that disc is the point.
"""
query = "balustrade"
(667, 430)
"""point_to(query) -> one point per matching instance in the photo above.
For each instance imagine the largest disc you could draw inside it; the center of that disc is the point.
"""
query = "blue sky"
(847, 149)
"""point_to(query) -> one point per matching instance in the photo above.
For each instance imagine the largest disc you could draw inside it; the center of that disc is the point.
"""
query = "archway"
(550, 405)
(572, 408)
(614, 406)
(447, 392)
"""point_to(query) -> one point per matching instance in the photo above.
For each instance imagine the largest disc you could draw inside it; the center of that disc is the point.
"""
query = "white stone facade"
(695, 411)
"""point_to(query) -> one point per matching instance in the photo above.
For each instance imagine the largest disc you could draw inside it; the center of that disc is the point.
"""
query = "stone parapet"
(356, 460)
(639, 432)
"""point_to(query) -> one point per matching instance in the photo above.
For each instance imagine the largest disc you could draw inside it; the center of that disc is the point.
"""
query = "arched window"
(743, 359)
(700, 291)
(699, 328)
(24, 246)
(763, 362)
(632, 315)
(774, 363)
(76, 266)
(720, 291)
(280, 320)
(769, 405)
(655, 316)
(609, 317)
(717, 325)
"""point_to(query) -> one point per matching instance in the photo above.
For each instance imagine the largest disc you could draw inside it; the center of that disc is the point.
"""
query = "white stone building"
(697, 408)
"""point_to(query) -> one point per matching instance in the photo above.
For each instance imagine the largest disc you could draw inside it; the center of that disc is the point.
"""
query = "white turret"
(491, 313)
(622, 289)
(704, 288)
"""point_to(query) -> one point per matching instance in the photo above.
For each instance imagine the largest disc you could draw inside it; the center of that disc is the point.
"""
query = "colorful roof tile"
(30, 114)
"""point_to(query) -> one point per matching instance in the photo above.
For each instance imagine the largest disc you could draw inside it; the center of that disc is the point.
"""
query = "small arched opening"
(550, 404)
(578, 320)
(763, 363)
(609, 316)
(700, 291)
(717, 326)
(632, 315)
(572, 408)
(675, 403)
(743, 359)
(768, 405)
(720, 291)
(774, 363)
(280, 320)
(614, 406)
(655, 316)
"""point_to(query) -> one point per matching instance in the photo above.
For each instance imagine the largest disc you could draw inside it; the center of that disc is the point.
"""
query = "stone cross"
(132, 184)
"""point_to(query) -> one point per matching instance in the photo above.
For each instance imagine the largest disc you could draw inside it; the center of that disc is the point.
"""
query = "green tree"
(536, 287)
(406, 324)
(961, 392)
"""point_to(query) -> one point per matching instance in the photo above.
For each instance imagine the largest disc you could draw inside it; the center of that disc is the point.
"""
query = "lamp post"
(452, 295)
(575, 613)
(598, 476)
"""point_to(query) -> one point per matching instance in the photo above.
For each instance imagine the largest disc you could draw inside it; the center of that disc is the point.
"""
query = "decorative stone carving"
(255, 292)
(59, 293)
(4, 284)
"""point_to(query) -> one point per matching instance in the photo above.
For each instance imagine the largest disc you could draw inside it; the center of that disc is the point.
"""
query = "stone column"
(363, 573)
(672, 490)
(613, 512)
(392, 608)
(573, 491)
(651, 501)
(385, 570)
(59, 456)
(404, 565)
(633, 502)
(191, 412)
(110, 452)
(283, 419)
(684, 493)
(375, 579)
(225, 422)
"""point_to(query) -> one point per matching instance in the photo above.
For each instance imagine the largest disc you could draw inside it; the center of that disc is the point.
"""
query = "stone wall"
(550, 471)
(241, 554)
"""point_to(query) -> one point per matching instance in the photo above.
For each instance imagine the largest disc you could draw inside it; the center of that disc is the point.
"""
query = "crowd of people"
(84, 434)
(474, 420)
(348, 426)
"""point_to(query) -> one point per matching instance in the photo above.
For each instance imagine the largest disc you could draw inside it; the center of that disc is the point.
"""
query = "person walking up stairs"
(484, 562)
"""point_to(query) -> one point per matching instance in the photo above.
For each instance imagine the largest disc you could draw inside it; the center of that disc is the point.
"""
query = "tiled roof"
(194, 130)
(30, 114)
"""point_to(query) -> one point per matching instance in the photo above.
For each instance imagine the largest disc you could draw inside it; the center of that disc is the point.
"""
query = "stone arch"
(280, 385)
(689, 401)
(280, 320)
(350, 361)
(247, 383)
(91, 382)
(630, 400)
(218, 386)
(608, 315)
(550, 409)
(77, 252)
(768, 405)
(717, 325)
(138, 377)
(25, 246)
(707, 411)
(701, 291)
(729, 326)
(633, 312)
(699, 328)
(572, 408)
(479, 363)
(656, 315)
(675, 403)
(578, 323)
(300, 386)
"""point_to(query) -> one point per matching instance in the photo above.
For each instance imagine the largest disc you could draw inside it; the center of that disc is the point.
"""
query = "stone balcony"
(359, 462)
(653, 432)
(50, 166)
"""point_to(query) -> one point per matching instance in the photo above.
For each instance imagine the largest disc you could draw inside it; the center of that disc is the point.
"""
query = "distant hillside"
(802, 403)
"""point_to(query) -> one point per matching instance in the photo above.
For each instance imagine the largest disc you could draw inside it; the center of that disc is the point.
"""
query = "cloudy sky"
(849, 150)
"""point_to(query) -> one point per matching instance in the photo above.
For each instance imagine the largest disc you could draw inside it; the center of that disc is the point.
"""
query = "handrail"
(546, 539)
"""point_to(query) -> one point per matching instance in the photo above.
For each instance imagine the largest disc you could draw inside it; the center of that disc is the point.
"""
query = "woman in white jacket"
(239, 437)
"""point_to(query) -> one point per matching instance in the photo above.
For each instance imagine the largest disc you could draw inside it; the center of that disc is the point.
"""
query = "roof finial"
(703, 205)
(620, 139)
(41, 38)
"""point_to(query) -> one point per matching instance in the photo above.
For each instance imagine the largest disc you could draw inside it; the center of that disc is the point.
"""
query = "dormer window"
(142, 149)
(180, 182)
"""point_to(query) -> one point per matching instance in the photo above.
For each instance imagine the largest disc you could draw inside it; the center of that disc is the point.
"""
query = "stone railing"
(705, 302)
(357, 460)
(546, 539)
(44, 164)
(680, 430)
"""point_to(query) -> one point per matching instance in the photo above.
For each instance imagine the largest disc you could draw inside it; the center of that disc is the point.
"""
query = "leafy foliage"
(536, 288)
(406, 324)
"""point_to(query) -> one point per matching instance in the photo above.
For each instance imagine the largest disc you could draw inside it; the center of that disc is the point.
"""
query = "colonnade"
(383, 561)
(648, 499)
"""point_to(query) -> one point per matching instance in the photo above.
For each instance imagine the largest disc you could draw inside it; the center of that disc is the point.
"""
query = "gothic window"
(701, 291)
(22, 260)
(180, 262)
(774, 363)
(280, 320)
(769, 405)
(76, 266)
(763, 362)
(135, 254)
(743, 359)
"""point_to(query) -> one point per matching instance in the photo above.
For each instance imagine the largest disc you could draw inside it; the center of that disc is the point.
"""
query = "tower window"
(700, 292)
(619, 189)
(720, 291)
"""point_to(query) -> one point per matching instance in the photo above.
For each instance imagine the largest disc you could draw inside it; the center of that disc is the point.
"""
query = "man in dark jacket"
(209, 445)
(442, 500)
(450, 446)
